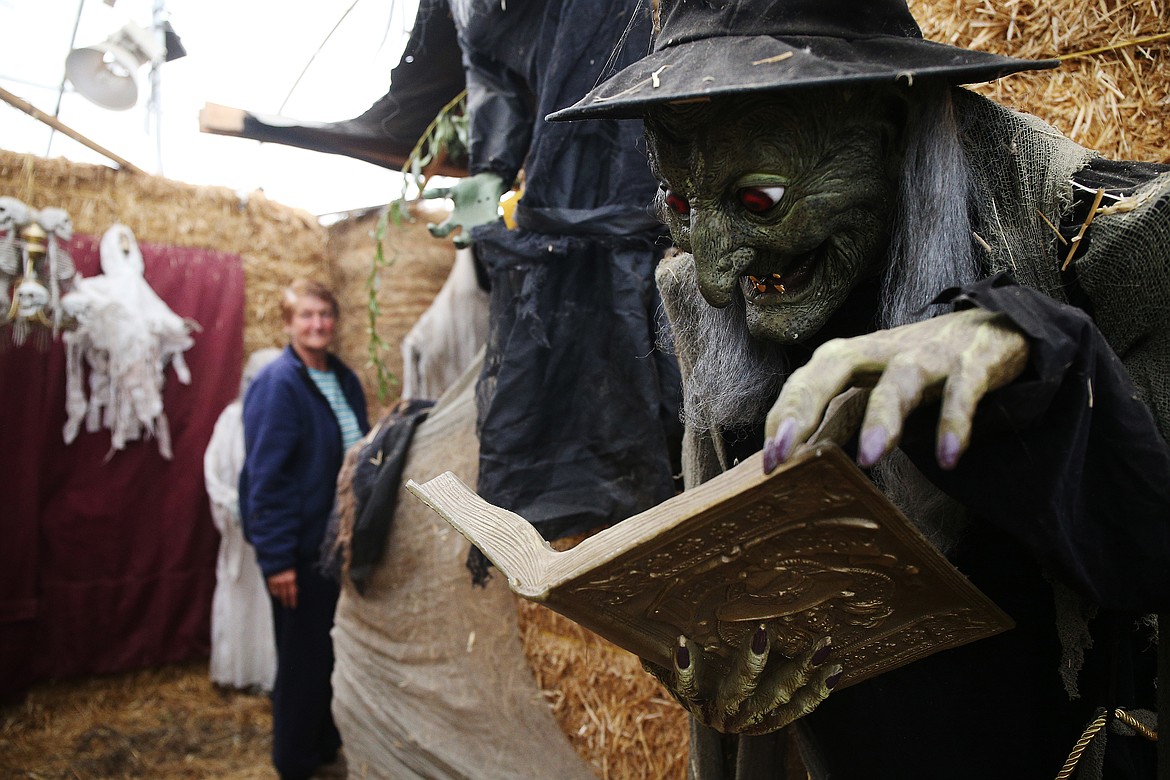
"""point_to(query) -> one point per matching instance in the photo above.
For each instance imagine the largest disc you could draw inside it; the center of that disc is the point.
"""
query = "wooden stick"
(56, 124)
(1114, 46)
(1072, 250)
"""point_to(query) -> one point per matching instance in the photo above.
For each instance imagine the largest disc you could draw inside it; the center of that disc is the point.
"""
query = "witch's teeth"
(772, 283)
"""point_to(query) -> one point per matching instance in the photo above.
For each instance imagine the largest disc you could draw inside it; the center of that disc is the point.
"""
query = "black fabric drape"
(377, 479)
(577, 409)
(1071, 448)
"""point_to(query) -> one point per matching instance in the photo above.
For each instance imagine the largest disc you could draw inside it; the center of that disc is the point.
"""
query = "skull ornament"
(31, 298)
(13, 213)
(56, 222)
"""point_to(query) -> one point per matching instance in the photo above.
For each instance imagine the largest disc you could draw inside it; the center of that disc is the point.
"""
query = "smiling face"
(785, 200)
(310, 328)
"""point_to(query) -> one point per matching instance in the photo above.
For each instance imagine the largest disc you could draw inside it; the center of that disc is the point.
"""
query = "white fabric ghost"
(243, 654)
(127, 335)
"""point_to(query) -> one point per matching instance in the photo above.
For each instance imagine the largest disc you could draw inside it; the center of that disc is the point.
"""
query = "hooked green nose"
(719, 276)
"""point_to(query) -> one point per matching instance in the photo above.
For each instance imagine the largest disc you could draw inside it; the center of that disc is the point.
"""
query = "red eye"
(760, 199)
(678, 204)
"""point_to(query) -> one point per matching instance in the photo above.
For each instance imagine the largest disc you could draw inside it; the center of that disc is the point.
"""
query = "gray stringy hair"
(734, 377)
(931, 249)
(931, 245)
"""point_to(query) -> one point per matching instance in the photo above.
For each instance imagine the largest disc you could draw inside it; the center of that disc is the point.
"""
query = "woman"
(301, 414)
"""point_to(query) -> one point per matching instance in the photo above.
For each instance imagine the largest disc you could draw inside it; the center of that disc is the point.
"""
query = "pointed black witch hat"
(707, 48)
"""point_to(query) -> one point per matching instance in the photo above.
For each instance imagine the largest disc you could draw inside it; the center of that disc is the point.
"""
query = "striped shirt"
(326, 382)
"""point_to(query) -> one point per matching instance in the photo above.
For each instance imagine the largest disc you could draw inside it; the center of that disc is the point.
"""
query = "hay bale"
(1110, 94)
(617, 717)
(276, 244)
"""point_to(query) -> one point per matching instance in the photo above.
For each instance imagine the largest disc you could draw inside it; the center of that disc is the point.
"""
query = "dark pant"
(303, 733)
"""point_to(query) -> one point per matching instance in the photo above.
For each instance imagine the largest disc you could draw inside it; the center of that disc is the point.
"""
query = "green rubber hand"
(762, 692)
(476, 202)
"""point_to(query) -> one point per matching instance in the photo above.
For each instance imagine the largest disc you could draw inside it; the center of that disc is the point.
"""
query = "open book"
(811, 550)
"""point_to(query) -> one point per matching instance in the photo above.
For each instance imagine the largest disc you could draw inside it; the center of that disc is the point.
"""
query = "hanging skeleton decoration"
(13, 216)
(126, 335)
(59, 268)
(33, 255)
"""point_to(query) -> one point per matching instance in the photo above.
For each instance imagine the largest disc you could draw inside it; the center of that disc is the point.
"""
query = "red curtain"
(107, 558)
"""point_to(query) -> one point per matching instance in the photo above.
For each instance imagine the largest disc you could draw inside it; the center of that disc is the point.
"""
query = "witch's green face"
(786, 201)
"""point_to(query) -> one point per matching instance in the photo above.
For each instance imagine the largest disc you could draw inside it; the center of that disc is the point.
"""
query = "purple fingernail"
(785, 438)
(948, 451)
(821, 655)
(872, 446)
(682, 657)
(771, 455)
(760, 641)
(832, 680)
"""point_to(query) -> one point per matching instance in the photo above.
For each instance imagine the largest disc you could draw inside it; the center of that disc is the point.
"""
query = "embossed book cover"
(811, 550)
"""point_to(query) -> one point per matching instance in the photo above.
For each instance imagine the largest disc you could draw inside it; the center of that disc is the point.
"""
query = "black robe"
(577, 407)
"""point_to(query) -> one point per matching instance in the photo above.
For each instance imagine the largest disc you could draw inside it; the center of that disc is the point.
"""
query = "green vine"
(446, 135)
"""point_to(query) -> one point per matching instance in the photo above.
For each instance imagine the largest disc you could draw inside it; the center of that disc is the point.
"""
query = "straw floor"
(158, 723)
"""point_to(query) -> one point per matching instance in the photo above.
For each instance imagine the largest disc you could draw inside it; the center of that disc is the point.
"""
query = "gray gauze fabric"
(1023, 168)
(1126, 272)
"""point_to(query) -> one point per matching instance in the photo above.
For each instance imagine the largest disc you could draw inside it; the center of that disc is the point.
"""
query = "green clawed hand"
(958, 357)
(476, 202)
(761, 693)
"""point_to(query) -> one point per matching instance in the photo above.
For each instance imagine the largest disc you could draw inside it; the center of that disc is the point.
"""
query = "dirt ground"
(167, 723)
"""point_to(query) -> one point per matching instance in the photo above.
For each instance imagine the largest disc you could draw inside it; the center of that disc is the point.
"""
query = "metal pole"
(61, 88)
(157, 20)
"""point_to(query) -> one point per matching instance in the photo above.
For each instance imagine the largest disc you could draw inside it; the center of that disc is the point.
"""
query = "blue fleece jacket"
(293, 452)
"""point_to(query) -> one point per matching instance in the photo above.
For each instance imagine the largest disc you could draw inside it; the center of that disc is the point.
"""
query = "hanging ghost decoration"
(125, 336)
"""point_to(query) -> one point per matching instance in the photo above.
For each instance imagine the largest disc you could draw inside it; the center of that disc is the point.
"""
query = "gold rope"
(1091, 731)
(1135, 724)
(1074, 757)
